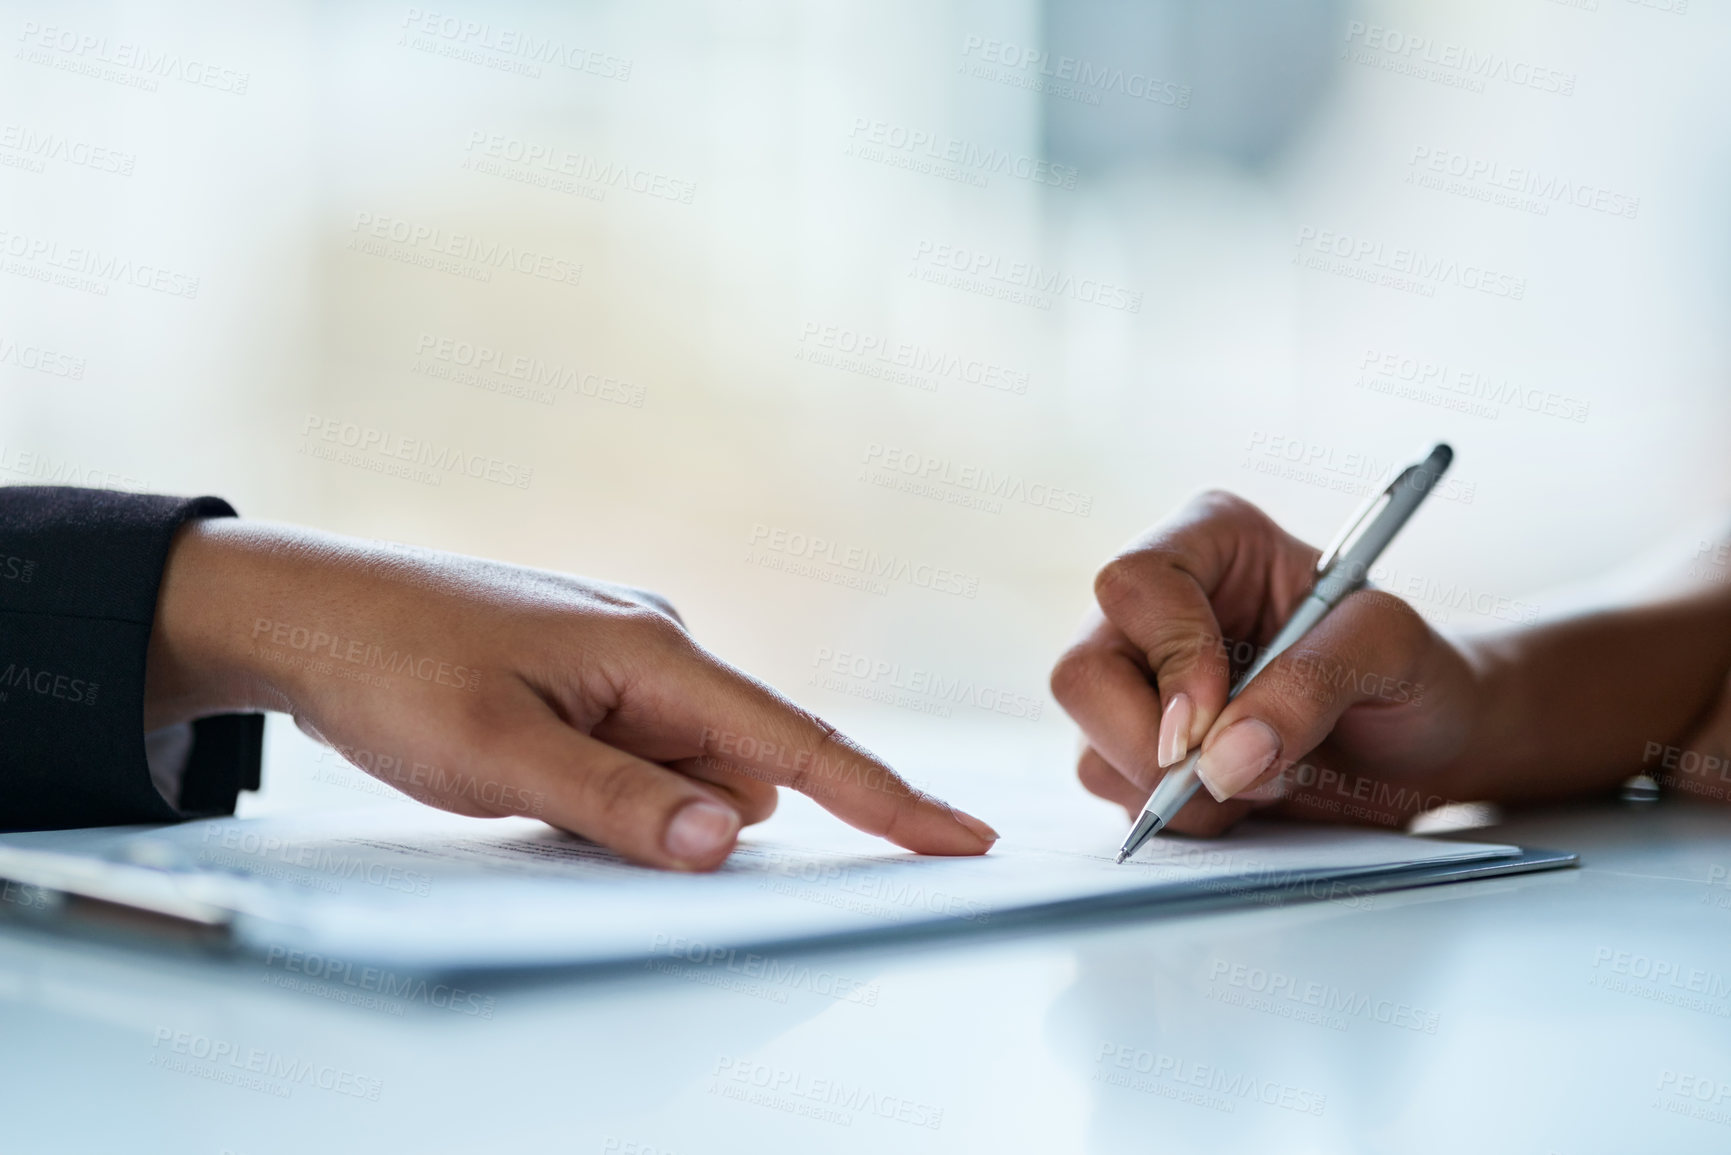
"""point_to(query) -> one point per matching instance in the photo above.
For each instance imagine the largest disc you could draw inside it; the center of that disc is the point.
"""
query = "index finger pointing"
(739, 720)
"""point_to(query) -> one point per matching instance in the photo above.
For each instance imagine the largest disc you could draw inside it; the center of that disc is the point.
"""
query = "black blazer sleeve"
(79, 571)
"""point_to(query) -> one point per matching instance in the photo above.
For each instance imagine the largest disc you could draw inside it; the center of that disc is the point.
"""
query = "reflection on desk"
(1576, 1011)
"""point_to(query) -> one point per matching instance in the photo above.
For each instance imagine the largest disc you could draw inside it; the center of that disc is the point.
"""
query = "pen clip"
(1365, 515)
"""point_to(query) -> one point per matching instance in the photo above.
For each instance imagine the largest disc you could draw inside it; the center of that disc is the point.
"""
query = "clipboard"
(432, 892)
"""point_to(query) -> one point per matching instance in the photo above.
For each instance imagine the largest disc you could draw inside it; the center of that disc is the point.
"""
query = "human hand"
(490, 689)
(1370, 717)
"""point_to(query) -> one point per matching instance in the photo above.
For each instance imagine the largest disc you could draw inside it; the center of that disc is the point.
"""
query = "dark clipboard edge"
(1102, 911)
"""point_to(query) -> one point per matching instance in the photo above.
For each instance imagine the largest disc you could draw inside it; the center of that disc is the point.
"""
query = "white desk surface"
(1500, 1015)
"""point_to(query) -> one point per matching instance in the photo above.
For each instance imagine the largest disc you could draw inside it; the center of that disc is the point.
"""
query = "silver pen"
(1340, 570)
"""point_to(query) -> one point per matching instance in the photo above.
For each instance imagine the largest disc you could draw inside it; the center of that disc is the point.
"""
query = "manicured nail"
(974, 826)
(1174, 740)
(699, 831)
(1237, 758)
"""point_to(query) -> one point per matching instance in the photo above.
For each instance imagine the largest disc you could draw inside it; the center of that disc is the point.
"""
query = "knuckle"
(1220, 500)
(1118, 582)
(1395, 617)
(1100, 779)
(1208, 821)
(756, 802)
(1298, 698)
(651, 625)
(1072, 675)
(1092, 771)
(1219, 511)
(610, 790)
(656, 602)
(1293, 697)
(1197, 654)
(1225, 505)
(824, 775)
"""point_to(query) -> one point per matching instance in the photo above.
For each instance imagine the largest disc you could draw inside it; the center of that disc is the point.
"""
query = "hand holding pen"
(1369, 716)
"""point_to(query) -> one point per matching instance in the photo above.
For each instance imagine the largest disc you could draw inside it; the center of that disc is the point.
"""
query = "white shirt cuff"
(166, 752)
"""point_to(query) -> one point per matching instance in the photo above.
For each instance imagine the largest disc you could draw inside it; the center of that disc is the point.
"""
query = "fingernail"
(974, 826)
(1237, 758)
(699, 831)
(1174, 740)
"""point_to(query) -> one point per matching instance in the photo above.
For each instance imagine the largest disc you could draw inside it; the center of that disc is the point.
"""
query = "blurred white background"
(675, 226)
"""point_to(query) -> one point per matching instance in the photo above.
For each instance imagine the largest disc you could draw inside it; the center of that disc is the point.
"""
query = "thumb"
(1367, 650)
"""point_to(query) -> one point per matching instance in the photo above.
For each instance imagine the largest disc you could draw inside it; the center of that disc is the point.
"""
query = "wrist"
(1499, 715)
(201, 661)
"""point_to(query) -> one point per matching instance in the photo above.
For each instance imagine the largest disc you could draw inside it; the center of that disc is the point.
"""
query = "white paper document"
(430, 890)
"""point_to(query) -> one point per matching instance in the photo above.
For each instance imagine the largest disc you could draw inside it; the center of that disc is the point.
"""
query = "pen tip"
(1147, 825)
